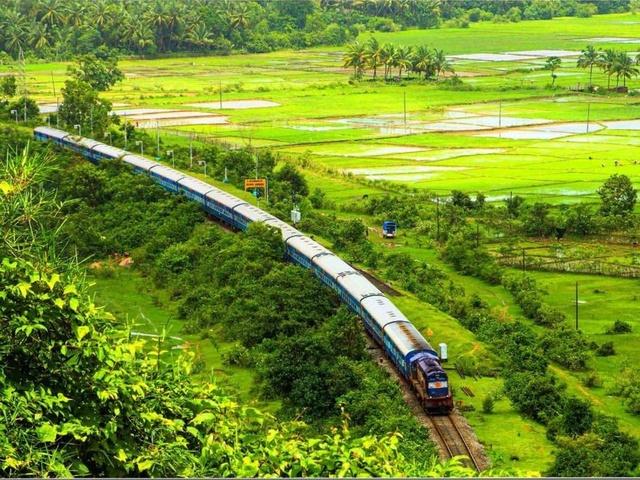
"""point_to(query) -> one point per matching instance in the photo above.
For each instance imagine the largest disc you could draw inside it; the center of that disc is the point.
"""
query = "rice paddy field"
(503, 130)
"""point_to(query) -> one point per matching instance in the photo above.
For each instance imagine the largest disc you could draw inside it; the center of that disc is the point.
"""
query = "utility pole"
(158, 140)
(405, 108)
(191, 151)
(576, 305)
(173, 158)
(437, 218)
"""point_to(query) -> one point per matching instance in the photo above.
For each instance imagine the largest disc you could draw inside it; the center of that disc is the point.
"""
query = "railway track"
(446, 428)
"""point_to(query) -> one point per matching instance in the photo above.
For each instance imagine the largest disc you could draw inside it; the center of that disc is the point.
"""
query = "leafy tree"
(8, 86)
(552, 64)
(99, 70)
(373, 55)
(295, 182)
(604, 452)
(82, 106)
(513, 204)
(623, 67)
(534, 395)
(589, 58)
(617, 195)
(356, 58)
(607, 62)
(25, 107)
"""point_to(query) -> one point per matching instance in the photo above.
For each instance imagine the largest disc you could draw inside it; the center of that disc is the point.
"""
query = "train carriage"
(194, 189)
(379, 312)
(222, 204)
(45, 134)
(139, 164)
(103, 152)
(405, 346)
(167, 177)
(303, 250)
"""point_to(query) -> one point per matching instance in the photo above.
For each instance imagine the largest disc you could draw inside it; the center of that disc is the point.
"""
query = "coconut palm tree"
(403, 59)
(388, 56)
(423, 61)
(624, 68)
(589, 58)
(373, 51)
(355, 57)
(440, 63)
(51, 12)
(552, 63)
(606, 62)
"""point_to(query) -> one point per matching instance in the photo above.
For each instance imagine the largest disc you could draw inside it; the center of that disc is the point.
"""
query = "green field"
(502, 131)
(321, 114)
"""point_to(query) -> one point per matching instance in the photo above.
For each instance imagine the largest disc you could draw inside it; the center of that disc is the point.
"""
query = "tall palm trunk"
(591, 76)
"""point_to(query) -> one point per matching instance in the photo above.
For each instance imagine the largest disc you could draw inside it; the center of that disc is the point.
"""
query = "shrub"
(566, 347)
(618, 327)
(606, 350)
(488, 403)
(238, 356)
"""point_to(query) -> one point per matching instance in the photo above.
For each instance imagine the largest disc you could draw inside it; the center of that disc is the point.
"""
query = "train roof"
(333, 265)
(196, 185)
(358, 285)
(166, 172)
(382, 311)
(138, 161)
(406, 338)
(226, 199)
(253, 213)
(85, 142)
(51, 132)
(287, 230)
(308, 247)
(113, 152)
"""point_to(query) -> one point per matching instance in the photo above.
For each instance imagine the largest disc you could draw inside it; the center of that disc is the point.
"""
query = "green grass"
(130, 297)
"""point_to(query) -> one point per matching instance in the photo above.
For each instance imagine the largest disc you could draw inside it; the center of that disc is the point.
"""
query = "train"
(404, 345)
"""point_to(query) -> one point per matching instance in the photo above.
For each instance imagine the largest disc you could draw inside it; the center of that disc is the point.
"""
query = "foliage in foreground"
(79, 397)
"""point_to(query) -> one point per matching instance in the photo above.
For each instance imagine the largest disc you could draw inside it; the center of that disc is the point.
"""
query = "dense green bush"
(567, 347)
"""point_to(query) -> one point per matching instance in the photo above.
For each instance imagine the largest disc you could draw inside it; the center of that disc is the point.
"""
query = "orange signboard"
(255, 183)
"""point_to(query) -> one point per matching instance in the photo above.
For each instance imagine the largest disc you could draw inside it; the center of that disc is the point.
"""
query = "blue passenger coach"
(412, 355)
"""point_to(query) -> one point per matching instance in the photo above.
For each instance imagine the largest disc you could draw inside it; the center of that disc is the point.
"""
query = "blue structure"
(389, 229)
(412, 355)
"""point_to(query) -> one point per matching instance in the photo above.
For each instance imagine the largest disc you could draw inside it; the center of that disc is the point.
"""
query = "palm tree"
(624, 67)
(606, 62)
(440, 63)
(588, 59)
(51, 12)
(423, 61)
(355, 57)
(373, 51)
(403, 59)
(552, 63)
(239, 17)
(388, 58)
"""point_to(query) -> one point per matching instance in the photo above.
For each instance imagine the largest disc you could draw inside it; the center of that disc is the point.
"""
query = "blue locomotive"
(412, 355)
